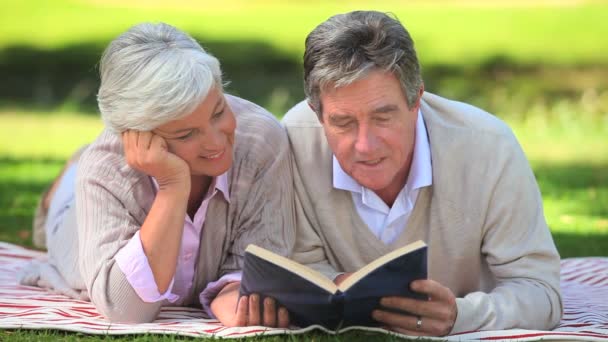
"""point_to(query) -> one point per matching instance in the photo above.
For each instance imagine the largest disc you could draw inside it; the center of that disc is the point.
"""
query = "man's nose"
(366, 140)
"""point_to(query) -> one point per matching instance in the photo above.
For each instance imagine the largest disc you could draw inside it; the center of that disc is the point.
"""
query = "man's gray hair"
(346, 47)
(153, 74)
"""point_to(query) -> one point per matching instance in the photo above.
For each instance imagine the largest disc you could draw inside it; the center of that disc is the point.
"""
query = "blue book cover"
(311, 298)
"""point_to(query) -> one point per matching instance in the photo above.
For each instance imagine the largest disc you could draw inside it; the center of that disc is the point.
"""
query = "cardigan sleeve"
(519, 251)
(106, 222)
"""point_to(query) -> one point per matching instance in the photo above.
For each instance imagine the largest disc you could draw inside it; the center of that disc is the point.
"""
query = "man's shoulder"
(467, 142)
(305, 131)
(301, 115)
(461, 118)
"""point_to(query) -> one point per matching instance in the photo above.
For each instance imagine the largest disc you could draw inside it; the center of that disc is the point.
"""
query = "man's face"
(371, 131)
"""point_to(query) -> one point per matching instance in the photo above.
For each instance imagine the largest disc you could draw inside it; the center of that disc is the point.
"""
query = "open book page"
(294, 267)
(360, 274)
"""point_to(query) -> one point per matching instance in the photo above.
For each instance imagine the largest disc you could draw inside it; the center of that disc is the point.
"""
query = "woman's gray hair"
(346, 47)
(153, 74)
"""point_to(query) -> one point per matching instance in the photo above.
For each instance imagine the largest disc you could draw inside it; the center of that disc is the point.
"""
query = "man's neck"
(389, 193)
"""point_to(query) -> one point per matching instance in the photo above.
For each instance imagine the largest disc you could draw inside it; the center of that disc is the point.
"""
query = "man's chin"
(372, 184)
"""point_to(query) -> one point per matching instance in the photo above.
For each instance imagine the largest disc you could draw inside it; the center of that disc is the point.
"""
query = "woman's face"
(204, 139)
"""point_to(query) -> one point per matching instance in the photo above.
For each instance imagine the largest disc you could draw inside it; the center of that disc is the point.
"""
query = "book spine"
(337, 301)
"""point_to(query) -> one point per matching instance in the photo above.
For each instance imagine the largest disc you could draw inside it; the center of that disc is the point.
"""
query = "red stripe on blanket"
(15, 256)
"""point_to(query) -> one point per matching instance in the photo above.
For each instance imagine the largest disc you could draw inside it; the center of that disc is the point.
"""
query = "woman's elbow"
(130, 314)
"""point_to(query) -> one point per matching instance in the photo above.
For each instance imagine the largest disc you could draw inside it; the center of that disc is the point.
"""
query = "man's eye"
(342, 124)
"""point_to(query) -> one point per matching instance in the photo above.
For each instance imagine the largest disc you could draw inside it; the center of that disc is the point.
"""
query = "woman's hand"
(149, 153)
(235, 311)
(341, 277)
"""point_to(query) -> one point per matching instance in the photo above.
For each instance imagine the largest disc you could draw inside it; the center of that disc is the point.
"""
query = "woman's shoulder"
(104, 162)
(251, 117)
(257, 131)
(260, 139)
(104, 152)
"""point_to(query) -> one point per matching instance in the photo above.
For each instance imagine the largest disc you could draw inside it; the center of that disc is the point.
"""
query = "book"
(313, 299)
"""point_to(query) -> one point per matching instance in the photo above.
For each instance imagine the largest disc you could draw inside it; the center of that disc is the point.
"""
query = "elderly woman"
(159, 208)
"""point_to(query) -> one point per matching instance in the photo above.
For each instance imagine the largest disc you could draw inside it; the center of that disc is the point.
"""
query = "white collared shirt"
(384, 222)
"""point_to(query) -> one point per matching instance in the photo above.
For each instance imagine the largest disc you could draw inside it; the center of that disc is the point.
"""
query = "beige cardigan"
(113, 200)
(482, 218)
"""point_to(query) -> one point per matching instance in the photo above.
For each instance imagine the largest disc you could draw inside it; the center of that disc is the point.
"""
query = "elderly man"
(380, 163)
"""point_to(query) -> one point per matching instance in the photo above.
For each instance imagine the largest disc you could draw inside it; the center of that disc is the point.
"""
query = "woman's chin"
(213, 169)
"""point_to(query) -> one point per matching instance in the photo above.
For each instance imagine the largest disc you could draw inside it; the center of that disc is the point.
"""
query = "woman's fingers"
(143, 141)
(242, 310)
(254, 310)
(158, 144)
(283, 318)
(270, 312)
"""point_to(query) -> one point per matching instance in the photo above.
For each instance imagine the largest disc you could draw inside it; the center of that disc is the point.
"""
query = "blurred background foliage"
(511, 57)
(540, 65)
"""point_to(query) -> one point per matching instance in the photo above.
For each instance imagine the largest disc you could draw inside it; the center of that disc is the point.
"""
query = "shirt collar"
(421, 171)
(220, 183)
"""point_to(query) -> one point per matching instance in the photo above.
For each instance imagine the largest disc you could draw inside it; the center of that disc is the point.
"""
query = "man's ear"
(319, 115)
(420, 93)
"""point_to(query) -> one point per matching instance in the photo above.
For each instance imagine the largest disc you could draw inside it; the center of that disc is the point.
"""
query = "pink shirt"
(134, 264)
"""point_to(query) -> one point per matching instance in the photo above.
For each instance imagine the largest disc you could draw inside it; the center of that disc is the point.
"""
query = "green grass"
(358, 336)
(33, 148)
(570, 161)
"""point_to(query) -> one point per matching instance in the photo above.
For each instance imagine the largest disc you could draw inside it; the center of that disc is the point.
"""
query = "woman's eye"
(184, 137)
(218, 114)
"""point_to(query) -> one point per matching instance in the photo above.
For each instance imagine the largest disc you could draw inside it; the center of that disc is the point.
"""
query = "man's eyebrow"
(338, 116)
(385, 109)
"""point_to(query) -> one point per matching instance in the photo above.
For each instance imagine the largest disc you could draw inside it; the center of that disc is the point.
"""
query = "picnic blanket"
(584, 289)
